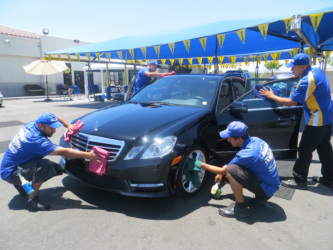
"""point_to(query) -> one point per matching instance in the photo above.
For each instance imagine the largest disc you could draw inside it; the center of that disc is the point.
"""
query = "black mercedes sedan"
(151, 135)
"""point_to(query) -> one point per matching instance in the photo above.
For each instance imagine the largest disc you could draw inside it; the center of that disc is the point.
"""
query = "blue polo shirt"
(29, 144)
(257, 157)
(142, 80)
(313, 91)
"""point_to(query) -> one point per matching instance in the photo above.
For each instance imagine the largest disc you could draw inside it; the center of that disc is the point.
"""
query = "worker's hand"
(70, 127)
(168, 74)
(218, 178)
(94, 157)
(267, 93)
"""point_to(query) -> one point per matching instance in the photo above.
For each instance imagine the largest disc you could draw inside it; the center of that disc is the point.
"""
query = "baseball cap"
(152, 62)
(49, 119)
(236, 129)
(299, 59)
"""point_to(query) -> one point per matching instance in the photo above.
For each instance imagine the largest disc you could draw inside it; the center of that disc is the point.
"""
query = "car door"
(276, 124)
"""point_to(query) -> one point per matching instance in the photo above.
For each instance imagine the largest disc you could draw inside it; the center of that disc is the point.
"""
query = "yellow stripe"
(312, 103)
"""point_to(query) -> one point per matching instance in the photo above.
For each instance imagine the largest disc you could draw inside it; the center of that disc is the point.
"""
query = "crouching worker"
(24, 154)
(253, 168)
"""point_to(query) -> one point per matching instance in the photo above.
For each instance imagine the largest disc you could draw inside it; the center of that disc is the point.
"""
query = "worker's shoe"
(323, 181)
(35, 204)
(234, 210)
(295, 183)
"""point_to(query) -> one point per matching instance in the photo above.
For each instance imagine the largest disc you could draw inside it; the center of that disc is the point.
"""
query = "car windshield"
(179, 90)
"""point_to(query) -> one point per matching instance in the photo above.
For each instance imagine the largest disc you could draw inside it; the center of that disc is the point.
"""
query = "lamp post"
(45, 32)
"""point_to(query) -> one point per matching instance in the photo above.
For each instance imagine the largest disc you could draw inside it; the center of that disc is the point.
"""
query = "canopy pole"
(134, 64)
(257, 69)
(216, 59)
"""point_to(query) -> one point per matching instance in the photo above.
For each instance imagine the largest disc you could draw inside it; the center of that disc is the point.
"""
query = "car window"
(184, 91)
(240, 87)
(282, 88)
(225, 97)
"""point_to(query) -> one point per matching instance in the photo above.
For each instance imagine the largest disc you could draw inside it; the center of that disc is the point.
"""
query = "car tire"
(184, 187)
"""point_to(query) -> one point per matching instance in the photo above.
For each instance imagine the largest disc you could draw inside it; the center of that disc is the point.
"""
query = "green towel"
(191, 170)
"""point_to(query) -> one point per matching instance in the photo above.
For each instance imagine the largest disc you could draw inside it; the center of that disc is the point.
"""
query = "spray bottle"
(26, 185)
(216, 191)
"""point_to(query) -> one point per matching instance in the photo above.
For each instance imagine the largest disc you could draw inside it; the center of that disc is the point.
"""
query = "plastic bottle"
(216, 191)
(26, 185)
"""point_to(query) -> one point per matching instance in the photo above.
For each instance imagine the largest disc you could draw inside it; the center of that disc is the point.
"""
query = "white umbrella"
(44, 67)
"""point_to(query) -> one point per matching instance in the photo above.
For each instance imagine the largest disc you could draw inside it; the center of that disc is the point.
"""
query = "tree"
(273, 65)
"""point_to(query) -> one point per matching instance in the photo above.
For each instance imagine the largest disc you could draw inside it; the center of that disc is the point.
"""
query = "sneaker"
(233, 210)
(323, 181)
(36, 204)
(295, 183)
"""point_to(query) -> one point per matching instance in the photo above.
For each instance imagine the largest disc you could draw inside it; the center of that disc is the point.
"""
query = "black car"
(151, 135)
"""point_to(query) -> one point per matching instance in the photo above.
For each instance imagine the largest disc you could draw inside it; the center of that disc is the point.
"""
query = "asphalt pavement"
(85, 218)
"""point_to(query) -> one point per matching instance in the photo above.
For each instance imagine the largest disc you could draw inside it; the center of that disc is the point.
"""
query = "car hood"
(130, 121)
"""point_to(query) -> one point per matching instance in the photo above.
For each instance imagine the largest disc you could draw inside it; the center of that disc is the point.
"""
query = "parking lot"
(85, 218)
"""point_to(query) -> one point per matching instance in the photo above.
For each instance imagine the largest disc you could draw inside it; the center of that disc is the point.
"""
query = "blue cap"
(49, 119)
(152, 62)
(237, 129)
(299, 59)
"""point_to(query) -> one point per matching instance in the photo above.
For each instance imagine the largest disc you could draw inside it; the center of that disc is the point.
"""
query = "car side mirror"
(238, 107)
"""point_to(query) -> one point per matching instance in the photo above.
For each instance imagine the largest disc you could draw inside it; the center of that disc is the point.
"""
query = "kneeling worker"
(253, 168)
(23, 157)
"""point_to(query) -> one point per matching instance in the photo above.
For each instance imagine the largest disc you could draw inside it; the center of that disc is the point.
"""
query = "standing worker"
(145, 74)
(24, 154)
(253, 168)
(313, 91)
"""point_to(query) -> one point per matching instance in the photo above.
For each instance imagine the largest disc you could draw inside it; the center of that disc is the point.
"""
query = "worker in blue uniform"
(253, 168)
(313, 91)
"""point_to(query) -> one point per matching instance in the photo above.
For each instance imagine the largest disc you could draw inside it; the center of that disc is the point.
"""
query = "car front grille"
(85, 142)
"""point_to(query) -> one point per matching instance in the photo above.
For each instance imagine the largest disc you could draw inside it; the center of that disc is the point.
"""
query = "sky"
(101, 20)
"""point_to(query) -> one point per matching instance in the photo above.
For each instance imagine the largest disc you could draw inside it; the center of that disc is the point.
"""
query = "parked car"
(1, 99)
(242, 73)
(151, 135)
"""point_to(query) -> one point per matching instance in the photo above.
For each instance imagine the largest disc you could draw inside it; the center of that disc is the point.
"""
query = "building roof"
(5, 30)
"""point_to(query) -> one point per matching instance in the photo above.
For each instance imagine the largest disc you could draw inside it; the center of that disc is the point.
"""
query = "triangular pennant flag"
(293, 52)
(157, 50)
(274, 55)
(240, 64)
(307, 51)
(220, 38)
(163, 61)
(172, 47)
(59, 57)
(287, 22)
(77, 56)
(209, 67)
(120, 54)
(203, 42)
(241, 35)
(147, 61)
(189, 67)
(248, 64)
(49, 57)
(131, 51)
(69, 57)
(108, 56)
(187, 45)
(263, 29)
(265, 56)
(210, 59)
(144, 51)
(246, 60)
(140, 62)
(171, 61)
(327, 54)
(315, 20)
(259, 58)
(190, 60)
(202, 67)
(221, 58)
(232, 59)
(278, 55)
(98, 55)
(253, 58)
(196, 66)
(180, 62)
(200, 60)
(286, 61)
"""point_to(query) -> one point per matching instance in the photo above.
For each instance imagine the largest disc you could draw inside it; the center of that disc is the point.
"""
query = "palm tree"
(273, 65)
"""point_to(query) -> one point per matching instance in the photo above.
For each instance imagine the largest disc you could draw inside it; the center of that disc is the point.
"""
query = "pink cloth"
(168, 74)
(76, 128)
(99, 167)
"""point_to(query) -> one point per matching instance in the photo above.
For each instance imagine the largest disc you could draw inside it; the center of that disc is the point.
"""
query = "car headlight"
(160, 147)
(133, 153)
